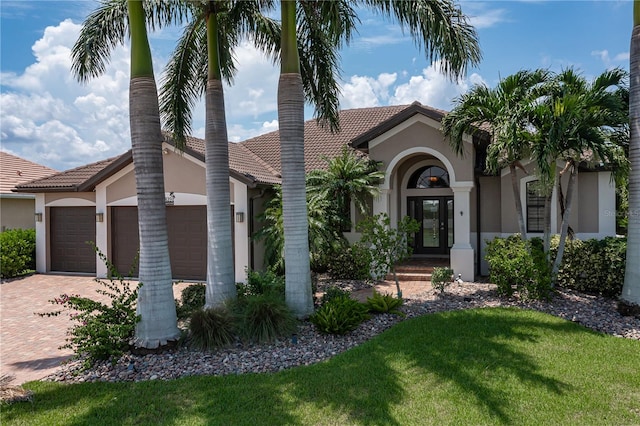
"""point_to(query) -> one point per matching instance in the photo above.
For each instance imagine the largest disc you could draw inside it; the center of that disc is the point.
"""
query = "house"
(17, 210)
(458, 206)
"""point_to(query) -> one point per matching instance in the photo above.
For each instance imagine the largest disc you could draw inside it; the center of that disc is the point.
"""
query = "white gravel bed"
(310, 346)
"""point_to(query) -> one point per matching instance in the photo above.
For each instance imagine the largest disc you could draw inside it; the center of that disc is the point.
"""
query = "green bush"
(441, 278)
(353, 263)
(519, 265)
(265, 317)
(340, 315)
(384, 303)
(192, 299)
(101, 331)
(593, 266)
(17, 252)
(333, 292)
(258, 283)
(212, 328)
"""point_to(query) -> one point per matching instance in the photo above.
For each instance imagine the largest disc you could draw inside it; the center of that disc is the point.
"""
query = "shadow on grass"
(470, 351)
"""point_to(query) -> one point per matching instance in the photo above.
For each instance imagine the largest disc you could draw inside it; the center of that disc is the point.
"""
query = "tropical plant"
(192, 298)
(18, 252)
(441, 278)
(631, 288)
(104, 29)
(505, 109)
(438, 26)
(348, 178)
(212, 328)
(384, 303)
(387, 245)
(203, 57)
(573, 123)
(340, 315)
(265, 317)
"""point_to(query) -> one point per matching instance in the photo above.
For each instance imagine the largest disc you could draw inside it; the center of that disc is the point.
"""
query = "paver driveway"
(29, 343)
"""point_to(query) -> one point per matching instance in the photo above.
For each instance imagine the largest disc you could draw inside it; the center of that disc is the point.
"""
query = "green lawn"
(483, 366)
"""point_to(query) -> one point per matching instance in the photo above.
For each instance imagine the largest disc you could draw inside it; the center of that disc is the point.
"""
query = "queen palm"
(573, 123)
(505, 109)
(438, 26)
(103, 30)
(631, 288)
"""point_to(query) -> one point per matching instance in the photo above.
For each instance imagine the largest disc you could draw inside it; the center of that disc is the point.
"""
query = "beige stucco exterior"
(17, 212)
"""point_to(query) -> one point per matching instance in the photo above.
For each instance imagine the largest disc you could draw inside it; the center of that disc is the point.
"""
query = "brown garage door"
(71, 230)
(187, 226)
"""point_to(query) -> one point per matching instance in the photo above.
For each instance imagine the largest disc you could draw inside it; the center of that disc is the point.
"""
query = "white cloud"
(429, 88)
(481, 15)
(609, 62)
(238, 133)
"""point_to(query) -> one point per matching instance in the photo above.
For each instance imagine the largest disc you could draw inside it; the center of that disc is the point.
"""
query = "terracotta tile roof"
(15, 171)
(320, 142)
(257, 159)
(81, 178)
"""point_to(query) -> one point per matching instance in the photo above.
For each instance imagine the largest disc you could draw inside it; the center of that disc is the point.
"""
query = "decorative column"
(102, 219)
(381, 203)
(462, 253)
(241, 228)
(41, 234)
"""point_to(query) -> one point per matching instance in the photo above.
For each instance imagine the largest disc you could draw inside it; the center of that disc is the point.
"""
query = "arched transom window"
(429, 177)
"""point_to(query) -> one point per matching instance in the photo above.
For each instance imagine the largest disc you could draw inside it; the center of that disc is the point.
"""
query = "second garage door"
(72, 230)
(187, 227)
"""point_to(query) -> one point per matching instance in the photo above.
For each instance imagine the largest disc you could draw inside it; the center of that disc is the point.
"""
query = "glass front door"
(435, 216)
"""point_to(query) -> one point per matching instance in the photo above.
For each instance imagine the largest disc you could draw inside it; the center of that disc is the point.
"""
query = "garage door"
(187, 227)
(71, 230)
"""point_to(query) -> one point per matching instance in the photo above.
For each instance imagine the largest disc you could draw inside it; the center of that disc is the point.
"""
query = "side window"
(535, 208)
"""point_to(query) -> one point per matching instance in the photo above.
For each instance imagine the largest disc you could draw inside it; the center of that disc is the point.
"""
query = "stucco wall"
(490, 209)
(69, 198)
(587, 199)
(17, 213)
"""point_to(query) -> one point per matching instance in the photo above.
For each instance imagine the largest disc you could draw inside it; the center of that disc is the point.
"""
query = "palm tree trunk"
(155, 305)
(565, 222)
(220, 268)
(516, 195)
(294, 196)
(631, 288)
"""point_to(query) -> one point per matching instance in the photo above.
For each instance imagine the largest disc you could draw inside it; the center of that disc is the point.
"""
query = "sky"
(47, 117)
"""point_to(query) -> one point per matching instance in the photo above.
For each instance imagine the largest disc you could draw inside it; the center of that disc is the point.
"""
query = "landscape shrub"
(100, 331)
(384, 303)
(593, 266)
(340, 315)
(192, 299)
(17, 252)
(332, 292)
(265, 317)
(212, 328)
(441, 278)
(519, 265)
(352, 263)
(258, 282)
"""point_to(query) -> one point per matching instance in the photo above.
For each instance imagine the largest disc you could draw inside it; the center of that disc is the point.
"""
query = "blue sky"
(47, 117)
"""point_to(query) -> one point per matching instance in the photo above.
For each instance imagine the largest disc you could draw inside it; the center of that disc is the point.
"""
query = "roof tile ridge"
(270, 168)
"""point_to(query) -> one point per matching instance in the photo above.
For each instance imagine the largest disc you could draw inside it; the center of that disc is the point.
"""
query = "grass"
(482, 366)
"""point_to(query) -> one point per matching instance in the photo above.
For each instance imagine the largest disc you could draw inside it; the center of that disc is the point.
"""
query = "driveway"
(29, 343)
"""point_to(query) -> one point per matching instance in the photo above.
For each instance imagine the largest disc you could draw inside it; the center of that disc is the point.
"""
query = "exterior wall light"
(239, 217)
(99, 217)
(38, 217)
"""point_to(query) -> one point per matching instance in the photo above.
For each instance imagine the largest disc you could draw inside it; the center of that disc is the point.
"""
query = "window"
(535, 208)
(429, 177)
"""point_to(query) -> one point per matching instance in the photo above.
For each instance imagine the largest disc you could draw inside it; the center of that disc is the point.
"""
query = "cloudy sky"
(49, 118)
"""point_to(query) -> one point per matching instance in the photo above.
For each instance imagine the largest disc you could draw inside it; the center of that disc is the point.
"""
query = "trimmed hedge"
(593, 266)
(17, 252)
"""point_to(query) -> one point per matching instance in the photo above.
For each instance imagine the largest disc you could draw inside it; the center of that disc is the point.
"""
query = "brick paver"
(29, 343)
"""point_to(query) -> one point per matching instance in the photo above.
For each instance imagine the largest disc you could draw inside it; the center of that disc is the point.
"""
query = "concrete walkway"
(29, 343)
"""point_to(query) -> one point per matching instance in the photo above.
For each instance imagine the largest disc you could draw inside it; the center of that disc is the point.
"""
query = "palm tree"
(201, 59)
(573, 122)
(631, 288)
(103, 30)
(505, 109)
(438, 26)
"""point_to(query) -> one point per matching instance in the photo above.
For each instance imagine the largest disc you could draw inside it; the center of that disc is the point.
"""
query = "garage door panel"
(186, 226)
(72, 230)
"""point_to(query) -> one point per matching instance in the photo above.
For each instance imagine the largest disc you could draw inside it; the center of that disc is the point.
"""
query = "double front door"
(435, 216)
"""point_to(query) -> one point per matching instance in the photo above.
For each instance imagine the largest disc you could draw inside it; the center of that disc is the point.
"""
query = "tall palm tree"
(103, 30)
(200, 61)
(573, 122)
(631, 288)
(438, 26)
(506, 110)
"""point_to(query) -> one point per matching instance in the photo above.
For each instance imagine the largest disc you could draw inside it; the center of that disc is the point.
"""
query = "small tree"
(388, 246)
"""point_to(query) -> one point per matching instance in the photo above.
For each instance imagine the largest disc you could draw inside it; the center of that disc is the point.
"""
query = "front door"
(435, 216)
